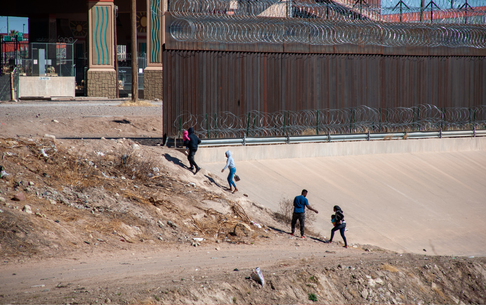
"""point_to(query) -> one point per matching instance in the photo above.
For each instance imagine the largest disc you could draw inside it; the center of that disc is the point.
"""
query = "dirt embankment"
(112, 221)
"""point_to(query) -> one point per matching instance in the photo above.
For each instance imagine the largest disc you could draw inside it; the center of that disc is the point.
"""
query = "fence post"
(418, 118)
(317, 123)
(215, 126)
(254, 122)
(379, 122)
(207, 125)
(248, 125)
(284, 124)
(470, 118)
(180, 127)
(351, 120)
(442, 120)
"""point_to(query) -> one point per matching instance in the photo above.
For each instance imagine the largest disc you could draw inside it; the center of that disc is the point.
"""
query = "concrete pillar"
(153, 82)
(101, 78)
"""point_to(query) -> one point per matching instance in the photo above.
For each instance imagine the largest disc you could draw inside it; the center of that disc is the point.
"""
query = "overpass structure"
(412, 196)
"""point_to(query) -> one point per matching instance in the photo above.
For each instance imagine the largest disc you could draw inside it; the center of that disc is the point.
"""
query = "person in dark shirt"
(337, 220)
(300, 203)
(192, 144)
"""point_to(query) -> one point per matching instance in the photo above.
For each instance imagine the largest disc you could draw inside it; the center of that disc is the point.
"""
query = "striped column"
(153, 81)
(101, 78)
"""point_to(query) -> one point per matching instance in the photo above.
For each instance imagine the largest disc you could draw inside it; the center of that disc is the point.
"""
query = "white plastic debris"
(256, 224)
(257, 275)
(199, 239)
(99, 153)
(43, 153)
(3, 173)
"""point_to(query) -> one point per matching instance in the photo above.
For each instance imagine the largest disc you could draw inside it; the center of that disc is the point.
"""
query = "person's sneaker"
(197, 169)
(345, 246)
(292, 234)
(191, 168)
(302, 236)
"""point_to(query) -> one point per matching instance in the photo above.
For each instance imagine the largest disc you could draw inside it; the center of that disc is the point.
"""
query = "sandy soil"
(114, 221)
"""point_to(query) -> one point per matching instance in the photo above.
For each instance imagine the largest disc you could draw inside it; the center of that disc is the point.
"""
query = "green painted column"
(153, 81)
(101, 77)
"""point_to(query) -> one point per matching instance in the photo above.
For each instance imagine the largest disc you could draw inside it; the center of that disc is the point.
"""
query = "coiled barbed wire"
(333, 121)
(333, 23)
(318, 32)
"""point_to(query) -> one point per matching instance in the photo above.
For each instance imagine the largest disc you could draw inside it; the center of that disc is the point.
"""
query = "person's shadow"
(214, 182)
(178, 162)
(175, 160)
(285, 232)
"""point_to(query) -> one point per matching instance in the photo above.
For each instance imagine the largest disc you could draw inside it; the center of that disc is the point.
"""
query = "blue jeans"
(232, 172)
(341, 228)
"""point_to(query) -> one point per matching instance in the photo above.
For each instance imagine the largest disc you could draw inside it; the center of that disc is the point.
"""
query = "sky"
(14, 23)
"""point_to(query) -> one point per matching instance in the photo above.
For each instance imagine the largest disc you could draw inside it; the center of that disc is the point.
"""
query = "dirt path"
(133, 265)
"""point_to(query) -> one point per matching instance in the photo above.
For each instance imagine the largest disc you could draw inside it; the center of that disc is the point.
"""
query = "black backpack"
(337, 218)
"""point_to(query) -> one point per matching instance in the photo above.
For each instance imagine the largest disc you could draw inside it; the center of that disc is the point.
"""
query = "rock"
(242, 229)
(2, 200)
(160, 224)
(19, 197)
(170, 223)
(364, 294)
(31, 183)
(55, 121)
(50, 136)
(27, 209)
(371, 283)
(51, 201)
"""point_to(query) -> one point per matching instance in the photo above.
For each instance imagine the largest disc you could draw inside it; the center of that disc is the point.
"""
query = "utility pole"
(134, 53)
(422, 6)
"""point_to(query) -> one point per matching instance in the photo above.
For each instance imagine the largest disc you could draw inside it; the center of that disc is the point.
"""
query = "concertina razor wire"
(361, 119)
(393, 24)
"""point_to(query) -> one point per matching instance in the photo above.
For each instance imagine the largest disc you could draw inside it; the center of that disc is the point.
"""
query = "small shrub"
(135, 167)
(286, 210)
(312, 297)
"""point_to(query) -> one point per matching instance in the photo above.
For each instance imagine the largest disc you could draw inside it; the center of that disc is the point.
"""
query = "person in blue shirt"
(300, 203)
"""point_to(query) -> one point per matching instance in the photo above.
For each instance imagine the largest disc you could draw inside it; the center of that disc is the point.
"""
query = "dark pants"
(341, 228)
(301, 218)
(190, 158)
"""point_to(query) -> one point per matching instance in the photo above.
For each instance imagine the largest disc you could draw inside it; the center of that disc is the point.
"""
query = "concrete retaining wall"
(334, 149)
(46, 87)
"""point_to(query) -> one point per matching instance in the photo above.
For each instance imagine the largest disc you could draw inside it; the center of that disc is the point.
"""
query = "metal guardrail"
(344, 137)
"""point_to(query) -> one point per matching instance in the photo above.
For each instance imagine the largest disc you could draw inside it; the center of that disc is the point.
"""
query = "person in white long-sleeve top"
(230, 164)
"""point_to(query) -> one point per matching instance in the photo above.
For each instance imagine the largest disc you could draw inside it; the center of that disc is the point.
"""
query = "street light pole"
(134, 52)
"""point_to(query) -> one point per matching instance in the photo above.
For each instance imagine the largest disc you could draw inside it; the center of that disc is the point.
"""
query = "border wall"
(208, 78)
